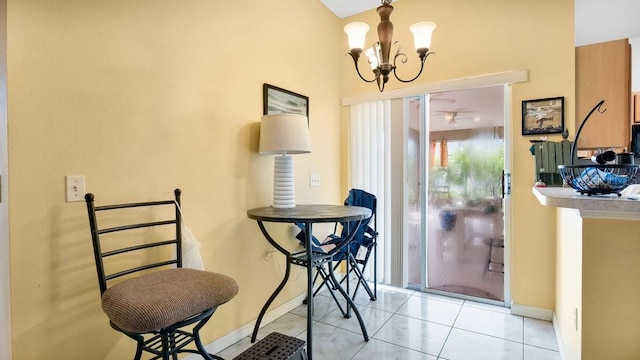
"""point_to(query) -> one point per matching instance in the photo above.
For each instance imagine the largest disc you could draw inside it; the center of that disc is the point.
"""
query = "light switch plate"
(314, 180)
(75, 187)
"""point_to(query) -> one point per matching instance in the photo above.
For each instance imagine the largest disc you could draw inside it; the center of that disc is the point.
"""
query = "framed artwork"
(543, 116)
(276, 100)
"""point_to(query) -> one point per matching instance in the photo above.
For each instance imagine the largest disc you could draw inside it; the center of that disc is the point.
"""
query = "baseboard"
(246, 330)
(532, 312)
(556, 329)
(541, 314)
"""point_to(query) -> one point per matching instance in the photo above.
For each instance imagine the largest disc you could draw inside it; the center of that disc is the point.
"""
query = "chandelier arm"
(422, 60)
(403, 58)
(355, 63)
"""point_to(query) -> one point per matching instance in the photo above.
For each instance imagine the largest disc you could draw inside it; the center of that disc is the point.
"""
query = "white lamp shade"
(356, 33)
(284, 134)
(422, 32)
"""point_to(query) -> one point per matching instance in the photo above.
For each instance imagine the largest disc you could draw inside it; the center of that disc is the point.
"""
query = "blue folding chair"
(364, 240)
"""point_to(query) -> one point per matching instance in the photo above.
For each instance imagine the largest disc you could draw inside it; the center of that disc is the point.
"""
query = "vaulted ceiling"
(483, 107)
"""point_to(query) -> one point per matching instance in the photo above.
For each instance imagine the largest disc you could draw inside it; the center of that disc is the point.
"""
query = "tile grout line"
(451, 329)
(495, 336)
(523, 336)
(395, 312)
(371, 337)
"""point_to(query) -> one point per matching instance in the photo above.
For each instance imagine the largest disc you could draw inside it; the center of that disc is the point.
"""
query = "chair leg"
(375, 270)
(347, 263)
(352, 304)
(326, 280)
(361, 280)
(196, 338)
(372, 295)
(140, 343)
(172, 344)
(355, 267)
(164, 345)
(335, 267)
(330, 285)
(164, 338)
(315, 278)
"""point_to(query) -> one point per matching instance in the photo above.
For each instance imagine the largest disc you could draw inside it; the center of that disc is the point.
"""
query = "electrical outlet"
(75, 187)
(314, 180)
(269, 254)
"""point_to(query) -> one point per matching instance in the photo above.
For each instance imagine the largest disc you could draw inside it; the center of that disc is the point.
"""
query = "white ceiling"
(474, 108)
(346, 8)
(599, 21)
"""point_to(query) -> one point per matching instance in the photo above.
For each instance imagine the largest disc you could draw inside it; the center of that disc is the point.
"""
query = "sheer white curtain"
(369, 164)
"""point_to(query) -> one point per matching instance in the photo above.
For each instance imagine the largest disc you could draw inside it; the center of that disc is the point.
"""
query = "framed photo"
(543, 116)
(276, 100)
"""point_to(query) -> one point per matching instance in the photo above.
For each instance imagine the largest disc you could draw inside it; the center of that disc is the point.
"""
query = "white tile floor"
(407, 325)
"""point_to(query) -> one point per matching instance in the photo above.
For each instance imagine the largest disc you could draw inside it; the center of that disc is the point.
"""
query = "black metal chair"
(146, 293)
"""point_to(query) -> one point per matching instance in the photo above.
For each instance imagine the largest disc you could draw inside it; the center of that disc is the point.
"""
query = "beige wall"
(597, 287)
(483, 37)
(5, 279)
(610, 289)
(143, 96)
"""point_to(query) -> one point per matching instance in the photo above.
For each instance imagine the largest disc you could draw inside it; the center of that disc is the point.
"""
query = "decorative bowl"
(598, 179)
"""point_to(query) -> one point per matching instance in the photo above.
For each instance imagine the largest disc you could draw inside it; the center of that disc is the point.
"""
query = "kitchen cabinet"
(636, 108)
(603, 72)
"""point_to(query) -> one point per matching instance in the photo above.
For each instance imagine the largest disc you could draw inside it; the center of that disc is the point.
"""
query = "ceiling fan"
(452, 117)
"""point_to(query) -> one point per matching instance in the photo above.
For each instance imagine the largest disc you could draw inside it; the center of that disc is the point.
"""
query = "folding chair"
(144, 239)
(357, 253)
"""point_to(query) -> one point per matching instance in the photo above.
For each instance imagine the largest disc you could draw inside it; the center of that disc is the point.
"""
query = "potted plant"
(476, 172)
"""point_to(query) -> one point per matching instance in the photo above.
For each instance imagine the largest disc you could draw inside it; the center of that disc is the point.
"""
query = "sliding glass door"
(455, 213)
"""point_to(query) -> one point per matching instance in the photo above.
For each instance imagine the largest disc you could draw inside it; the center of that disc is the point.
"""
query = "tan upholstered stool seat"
(157, 300)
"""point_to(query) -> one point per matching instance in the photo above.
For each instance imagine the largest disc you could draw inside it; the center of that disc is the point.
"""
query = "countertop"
(609, 206)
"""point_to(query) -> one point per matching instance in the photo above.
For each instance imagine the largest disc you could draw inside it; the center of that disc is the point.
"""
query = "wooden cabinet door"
(636, 107)
(603, 72)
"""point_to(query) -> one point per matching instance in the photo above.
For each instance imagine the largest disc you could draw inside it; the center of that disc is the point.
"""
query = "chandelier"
(378, 54)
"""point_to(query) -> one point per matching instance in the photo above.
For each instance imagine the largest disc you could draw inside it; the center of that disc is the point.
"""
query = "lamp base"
(284, 194)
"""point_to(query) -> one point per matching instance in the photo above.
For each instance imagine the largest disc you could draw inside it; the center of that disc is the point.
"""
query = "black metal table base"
(351, 304)
(268, 303)
(309, 214)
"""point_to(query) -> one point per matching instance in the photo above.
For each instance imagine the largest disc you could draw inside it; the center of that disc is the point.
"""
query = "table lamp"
(282, 135)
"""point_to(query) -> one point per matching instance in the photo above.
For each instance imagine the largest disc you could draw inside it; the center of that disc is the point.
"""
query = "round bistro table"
(308, 215)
